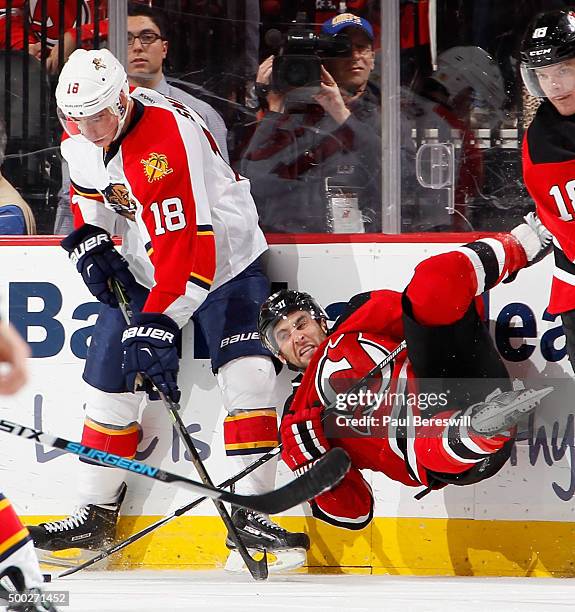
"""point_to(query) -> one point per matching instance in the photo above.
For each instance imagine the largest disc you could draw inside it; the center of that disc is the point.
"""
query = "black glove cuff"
(155, 318)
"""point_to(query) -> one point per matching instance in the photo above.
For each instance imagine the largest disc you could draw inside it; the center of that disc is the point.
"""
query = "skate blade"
(68, 558)
(493, 419)
(278, 560)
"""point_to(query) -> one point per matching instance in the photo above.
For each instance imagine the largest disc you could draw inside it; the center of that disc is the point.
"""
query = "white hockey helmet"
(461, 67)
(90, 82)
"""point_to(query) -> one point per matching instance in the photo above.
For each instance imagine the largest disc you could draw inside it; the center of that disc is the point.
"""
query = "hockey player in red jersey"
(145, 167)
(460, 438)
(548, 70)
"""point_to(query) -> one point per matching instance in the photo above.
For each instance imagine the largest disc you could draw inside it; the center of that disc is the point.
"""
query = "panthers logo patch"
(156, 167)
(98, 63)
(118, 198)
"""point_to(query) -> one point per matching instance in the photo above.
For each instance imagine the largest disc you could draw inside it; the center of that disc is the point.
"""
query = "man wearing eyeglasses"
(315, 165)
(147, 50)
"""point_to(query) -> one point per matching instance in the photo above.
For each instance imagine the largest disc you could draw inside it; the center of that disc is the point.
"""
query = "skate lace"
(73, 521)
(266, 522)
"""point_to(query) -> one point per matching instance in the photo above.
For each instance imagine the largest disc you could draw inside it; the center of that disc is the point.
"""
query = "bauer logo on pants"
(239, 338)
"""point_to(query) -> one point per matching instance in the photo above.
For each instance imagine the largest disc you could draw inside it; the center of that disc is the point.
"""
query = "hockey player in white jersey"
(145, 167)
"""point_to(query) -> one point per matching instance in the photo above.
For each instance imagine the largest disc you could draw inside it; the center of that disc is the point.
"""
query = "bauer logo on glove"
(149, 348)
(90, 243)
(147, 332)
(92, 250)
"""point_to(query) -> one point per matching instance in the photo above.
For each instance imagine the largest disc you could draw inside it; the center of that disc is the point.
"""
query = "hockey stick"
(166, 519)
(323, 475)
(250, 468)
(257, 568)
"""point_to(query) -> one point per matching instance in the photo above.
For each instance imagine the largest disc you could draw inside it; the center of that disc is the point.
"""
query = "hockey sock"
(444, 286)
(453, 448)
(98, 484)
(248, 390)
(249, 434)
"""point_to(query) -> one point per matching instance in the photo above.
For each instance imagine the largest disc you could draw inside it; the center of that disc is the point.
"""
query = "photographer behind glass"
(314, 159)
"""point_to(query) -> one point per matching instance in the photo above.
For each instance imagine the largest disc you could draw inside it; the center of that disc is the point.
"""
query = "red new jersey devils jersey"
(549, 174)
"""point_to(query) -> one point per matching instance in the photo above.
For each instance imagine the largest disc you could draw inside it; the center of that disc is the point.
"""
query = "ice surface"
(217, 591)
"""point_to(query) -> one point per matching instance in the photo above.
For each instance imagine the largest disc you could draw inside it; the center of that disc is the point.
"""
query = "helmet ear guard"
(277, 307)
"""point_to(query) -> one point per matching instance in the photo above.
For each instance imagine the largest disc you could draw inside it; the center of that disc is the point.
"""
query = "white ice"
(218, 591)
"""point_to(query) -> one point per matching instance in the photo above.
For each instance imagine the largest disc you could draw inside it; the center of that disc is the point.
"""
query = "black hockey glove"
(150, 348)
(92, 250)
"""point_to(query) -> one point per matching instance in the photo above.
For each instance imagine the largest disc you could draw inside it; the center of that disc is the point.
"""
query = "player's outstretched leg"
(111, 425)
(501, 411)
(90, 527)
(258, 532)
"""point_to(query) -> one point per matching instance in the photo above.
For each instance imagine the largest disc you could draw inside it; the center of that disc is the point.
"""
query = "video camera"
(296, 69)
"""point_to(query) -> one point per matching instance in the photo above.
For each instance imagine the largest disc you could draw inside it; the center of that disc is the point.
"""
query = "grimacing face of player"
(298, 336)
(353, 72)
(145, 61)
(558, 84)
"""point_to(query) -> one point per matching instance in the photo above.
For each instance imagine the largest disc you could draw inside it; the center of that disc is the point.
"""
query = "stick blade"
(324, 474)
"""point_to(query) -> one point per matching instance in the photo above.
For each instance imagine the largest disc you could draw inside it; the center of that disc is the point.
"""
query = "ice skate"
(501, 411)
(286, 550)
(78, 537)
(17, 598)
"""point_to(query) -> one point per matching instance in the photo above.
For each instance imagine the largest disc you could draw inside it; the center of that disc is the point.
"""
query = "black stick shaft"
(258, 569)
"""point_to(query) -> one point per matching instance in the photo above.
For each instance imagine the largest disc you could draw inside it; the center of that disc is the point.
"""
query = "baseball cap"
(338, 23)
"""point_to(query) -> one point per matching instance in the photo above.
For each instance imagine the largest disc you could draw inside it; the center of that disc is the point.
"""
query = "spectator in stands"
(147, 50)
(15, 215)
(14, 15)
(316, 167)
(78, 21)
(79, 24)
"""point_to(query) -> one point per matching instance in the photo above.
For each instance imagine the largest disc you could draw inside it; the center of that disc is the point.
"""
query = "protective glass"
(550, 81)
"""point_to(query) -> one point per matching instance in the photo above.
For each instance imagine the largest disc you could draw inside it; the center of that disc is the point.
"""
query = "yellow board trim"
(17, 537)
(398, 546)
(4, 504)
(260, 444)
(248, 414)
